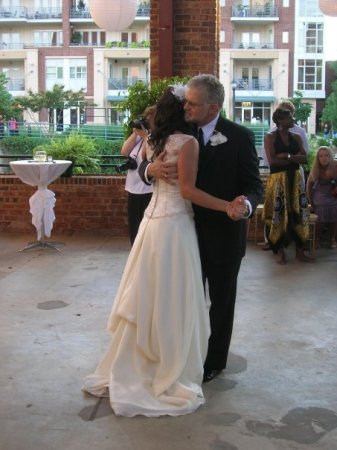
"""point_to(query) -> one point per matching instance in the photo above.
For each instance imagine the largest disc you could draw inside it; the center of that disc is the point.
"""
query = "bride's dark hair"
(168, 120)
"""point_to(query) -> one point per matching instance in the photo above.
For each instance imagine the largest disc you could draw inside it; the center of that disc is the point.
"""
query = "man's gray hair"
(214, 90)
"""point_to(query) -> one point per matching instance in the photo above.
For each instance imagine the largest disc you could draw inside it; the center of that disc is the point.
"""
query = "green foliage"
(141, 95)
(104, 147)
(57, 98)
(8, 107)
(329, 113)
(76, 37)
(302, 109)
(314, 143)
(108, 131)
(79, 149)
(21, 145)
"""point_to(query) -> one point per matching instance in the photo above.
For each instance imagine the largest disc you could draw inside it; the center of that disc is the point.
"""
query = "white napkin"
(42, 210)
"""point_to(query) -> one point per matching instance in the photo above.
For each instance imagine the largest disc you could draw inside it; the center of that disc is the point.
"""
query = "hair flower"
(178, 90)
(217, 138)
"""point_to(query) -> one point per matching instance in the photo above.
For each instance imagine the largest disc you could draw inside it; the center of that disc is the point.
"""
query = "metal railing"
(40, 129)
(253, 45)
(46, 13)
(84, 13)
(255, 11)
(258, 84)
(123, 84)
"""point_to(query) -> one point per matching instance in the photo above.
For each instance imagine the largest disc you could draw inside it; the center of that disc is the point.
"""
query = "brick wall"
(83, 205)
(193, 39)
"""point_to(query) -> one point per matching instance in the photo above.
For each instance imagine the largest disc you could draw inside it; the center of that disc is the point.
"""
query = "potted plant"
(78, 149)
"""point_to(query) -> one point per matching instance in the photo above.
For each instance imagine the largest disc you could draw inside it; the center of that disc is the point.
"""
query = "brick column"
(194, 38)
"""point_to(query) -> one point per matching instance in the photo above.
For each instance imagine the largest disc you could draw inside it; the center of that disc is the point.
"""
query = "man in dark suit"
(228, 169)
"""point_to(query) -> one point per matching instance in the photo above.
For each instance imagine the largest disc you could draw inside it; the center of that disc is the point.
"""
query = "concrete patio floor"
(279, 391)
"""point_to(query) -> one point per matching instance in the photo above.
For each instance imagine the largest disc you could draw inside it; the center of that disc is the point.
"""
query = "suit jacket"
(226, 171)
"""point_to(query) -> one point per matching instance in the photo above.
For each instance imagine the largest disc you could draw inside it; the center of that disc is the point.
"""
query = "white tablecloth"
(42, 202)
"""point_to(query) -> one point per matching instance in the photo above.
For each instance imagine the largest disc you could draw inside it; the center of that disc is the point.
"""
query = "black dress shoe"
(209, 374)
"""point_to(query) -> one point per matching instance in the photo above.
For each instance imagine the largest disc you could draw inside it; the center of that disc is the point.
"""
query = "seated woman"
(322, 193)
(285, 212)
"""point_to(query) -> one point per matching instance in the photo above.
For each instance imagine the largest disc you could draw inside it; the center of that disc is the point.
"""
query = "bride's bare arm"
(187, 174)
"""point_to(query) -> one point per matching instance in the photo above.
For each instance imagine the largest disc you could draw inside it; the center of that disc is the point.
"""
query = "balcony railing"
(259, 84)
(255, 11)
(11, 45)
(13, 12)
(21, 12)
(84, 13)
(122, 84)
(255, 45)
(112, 44)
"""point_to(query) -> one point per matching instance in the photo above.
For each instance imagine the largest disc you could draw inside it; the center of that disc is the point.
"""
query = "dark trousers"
(137, 203)
(221, 273)
(222, 284)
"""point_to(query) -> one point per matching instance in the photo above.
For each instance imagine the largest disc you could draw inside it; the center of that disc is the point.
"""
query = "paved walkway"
(279, 391)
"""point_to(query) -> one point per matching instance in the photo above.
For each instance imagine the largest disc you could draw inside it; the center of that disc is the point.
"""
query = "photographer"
(139, 194)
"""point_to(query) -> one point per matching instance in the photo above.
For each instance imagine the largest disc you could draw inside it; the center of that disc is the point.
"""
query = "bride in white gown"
(159, 322)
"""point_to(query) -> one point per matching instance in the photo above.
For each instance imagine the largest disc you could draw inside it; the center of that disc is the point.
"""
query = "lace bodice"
(166, 198)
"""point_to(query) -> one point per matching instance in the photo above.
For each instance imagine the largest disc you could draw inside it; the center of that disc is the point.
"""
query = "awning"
(116, 98)
(261, 98)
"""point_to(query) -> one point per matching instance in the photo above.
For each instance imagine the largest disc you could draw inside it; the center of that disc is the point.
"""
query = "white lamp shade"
(328, 7)
(113, 15)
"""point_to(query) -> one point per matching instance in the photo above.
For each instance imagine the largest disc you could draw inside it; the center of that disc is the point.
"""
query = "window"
(285, 3)
(314, 38)
(250, 40)
(285, 37)
(222, 36)
(309, 75)
(78, 72)
(54, 70)
(129, 37)
(134, 72)
(91, 37)
(125, 73)
(255, 77)
(10, 41)
(48, 38)
(54, 73)
(309, 8)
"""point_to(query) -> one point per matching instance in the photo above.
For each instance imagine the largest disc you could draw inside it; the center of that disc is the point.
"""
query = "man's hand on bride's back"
(165, 170)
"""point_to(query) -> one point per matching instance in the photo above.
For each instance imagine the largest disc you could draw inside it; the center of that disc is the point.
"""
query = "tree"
(141, 95)
(56, 99)
(302, 109)
(329, 113)
(7, 105)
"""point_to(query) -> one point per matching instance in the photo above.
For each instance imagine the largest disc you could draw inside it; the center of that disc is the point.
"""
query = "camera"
(129, 164)
(139, 122)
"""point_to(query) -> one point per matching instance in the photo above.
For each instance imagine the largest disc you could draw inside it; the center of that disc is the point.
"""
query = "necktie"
(201, 138)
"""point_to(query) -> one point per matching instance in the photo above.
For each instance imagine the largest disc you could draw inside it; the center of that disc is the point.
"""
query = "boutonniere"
(217, 138)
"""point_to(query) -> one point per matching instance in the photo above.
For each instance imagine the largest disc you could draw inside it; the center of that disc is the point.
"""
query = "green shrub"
(78, 149)
(21, 145)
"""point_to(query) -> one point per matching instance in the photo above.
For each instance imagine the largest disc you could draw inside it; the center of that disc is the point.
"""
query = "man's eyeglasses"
(194, 105)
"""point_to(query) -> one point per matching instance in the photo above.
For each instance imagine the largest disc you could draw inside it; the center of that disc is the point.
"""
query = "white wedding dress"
(159, 321)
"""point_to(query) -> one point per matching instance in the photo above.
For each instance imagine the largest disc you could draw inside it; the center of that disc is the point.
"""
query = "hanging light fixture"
(328, 7)
(113, 15)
